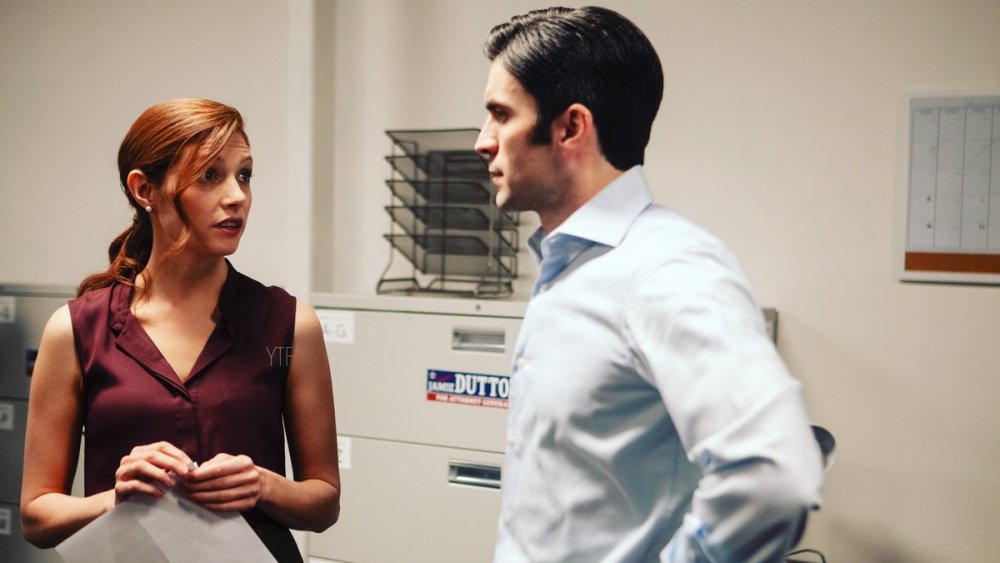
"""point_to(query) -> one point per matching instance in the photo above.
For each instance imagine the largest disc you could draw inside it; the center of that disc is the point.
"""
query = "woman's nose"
(234, 193)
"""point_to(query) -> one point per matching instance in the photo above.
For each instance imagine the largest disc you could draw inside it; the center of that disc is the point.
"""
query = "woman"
(171, 356)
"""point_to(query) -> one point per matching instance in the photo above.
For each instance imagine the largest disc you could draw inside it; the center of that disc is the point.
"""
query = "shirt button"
(511, 440)
(543, 288)
(521, 362)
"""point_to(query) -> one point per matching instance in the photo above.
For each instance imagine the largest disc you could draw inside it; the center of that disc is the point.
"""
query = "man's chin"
(502, 199)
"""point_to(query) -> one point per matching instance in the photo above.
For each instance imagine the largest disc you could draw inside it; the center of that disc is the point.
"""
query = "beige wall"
(780, 133)
(73, 77)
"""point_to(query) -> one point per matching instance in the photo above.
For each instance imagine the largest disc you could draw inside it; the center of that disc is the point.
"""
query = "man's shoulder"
(666, 245)
(663, 232)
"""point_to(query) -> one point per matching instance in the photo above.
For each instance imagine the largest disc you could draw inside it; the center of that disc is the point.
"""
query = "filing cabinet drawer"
(12, 452)
(13, 416)
(13, 546)
(406, 502)
(380, 377)
(22, 319)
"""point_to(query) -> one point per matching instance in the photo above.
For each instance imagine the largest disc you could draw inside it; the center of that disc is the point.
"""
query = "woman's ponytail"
(128, 255)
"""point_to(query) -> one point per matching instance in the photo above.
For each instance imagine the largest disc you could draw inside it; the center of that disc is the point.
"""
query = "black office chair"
(827, 445)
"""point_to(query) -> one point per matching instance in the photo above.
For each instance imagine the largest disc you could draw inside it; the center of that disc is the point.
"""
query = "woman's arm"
(312, 500)
(52, 442)
(49, 514)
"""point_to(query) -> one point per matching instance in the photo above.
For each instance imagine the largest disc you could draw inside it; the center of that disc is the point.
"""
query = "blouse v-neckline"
(133, 339)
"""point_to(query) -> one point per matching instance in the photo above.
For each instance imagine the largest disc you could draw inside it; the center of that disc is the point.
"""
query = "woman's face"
(216, 205)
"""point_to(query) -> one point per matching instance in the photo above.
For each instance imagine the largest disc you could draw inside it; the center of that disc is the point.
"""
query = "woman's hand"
(225, 483)
(148, 465)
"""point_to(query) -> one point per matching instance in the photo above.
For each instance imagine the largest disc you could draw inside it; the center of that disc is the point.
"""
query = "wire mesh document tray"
(468, 256)
(453, 164)
(444, 220)
(430, 192)
(447, 218)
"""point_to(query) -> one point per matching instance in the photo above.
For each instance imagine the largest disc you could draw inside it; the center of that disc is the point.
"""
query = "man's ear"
(140, 188)
(574, 127)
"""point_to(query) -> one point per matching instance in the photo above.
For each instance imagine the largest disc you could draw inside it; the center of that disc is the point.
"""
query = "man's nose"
(486, 144)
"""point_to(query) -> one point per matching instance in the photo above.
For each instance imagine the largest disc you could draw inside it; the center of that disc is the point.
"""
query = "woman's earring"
(149, 209)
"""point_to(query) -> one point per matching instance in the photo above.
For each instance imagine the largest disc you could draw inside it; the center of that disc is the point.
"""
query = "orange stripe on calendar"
(943, 262)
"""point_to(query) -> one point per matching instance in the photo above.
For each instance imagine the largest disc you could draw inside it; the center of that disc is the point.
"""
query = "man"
(650, 419)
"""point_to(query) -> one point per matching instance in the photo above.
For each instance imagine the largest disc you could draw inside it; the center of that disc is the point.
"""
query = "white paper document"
(171, 529)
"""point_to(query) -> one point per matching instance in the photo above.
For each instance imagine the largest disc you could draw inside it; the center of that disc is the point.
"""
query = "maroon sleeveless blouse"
(232, 402)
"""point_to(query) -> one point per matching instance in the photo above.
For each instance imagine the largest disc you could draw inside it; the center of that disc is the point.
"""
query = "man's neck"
(587, 180)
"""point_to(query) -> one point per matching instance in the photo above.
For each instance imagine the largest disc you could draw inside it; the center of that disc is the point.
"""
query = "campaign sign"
(473, 389)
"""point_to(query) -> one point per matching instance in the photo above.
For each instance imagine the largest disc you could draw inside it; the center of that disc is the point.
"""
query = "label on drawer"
(343, 452)
(8, 309)
(5, 516)
(6, 416)
(338, 326)
(473, 389)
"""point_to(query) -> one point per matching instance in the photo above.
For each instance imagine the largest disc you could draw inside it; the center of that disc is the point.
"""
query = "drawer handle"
(478, 340)
(474, 474)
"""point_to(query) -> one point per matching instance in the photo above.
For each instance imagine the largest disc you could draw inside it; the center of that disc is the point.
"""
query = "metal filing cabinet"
(24, 311)
(420, 387)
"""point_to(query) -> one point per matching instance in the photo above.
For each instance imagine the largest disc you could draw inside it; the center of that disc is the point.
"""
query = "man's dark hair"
(592, 56)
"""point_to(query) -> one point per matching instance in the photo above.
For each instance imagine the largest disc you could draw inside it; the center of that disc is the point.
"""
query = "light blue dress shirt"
(650, 417)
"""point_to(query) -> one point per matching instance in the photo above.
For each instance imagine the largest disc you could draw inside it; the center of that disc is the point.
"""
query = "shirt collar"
(606, 217)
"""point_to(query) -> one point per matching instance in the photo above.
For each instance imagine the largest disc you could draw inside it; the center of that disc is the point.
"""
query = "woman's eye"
(210, 175)
(244, 175)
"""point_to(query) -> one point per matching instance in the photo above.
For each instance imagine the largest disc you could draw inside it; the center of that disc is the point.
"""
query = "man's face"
(526, 175)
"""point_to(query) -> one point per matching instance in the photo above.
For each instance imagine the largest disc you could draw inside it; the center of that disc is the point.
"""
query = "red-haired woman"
(171, 356)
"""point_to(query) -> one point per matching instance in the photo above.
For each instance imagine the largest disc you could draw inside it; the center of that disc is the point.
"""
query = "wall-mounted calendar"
(952, 226)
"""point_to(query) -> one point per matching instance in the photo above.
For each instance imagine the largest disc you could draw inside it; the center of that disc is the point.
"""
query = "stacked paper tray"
(419, 220)
(437, 192)
(453, 255)
(444, 218)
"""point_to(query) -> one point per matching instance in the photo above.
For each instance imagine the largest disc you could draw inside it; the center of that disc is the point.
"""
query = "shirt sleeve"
(699, 337)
